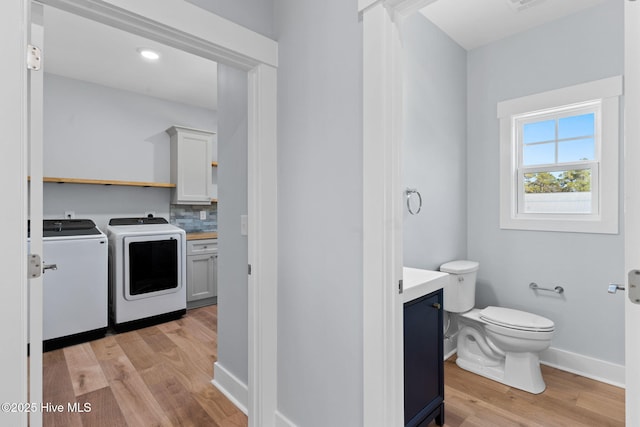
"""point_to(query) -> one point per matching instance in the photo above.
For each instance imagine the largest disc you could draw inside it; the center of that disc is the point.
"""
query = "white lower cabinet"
(202, 272)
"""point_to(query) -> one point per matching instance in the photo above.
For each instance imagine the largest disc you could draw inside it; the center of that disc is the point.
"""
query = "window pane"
(576, 149)
(539, 131)
(566, 192)
(576, 126)
(539, 154)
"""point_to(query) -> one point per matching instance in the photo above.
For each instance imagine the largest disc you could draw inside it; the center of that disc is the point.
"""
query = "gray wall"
(320, 212)
(93, 131)
(232, 247)
(435, 137)
(576, 49)
(254, 14)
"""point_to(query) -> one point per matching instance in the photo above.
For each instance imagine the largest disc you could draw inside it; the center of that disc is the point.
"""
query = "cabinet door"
(423, 365)
(191, 165)
(201, 276)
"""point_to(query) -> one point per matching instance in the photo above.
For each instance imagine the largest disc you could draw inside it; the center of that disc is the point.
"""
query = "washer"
(75, 293)
(147, 271)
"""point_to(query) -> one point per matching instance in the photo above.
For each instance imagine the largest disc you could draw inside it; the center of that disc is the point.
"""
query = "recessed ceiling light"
(149, 54)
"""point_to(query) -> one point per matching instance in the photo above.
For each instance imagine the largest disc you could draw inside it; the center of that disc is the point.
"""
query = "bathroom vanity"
(423, 347)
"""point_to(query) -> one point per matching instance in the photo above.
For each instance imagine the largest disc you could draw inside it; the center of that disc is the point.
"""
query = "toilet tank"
(460, 293)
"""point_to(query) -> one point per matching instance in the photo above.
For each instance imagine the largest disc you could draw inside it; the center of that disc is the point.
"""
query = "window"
(559, 159)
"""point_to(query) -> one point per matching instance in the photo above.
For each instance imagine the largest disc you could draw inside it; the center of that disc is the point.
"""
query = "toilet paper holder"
(535, 287)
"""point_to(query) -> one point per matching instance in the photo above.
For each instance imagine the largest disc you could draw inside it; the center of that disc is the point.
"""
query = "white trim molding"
(383, 388)
(632, 204)
(14, 20)
(604, 218)
(263, 244)
(207, 35)
(589, 367)
(229, 385)
(282, 421)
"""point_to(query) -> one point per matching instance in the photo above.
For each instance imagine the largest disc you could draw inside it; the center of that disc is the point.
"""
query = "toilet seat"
(516, 319)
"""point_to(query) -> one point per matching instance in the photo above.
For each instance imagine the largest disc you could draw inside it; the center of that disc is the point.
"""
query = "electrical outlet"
(203, 215)
(69, 214)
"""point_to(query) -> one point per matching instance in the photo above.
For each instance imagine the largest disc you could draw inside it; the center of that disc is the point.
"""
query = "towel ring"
(410, 192)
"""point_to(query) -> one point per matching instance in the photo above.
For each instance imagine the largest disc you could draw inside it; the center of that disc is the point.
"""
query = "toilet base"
(518, 370)
(527, 378)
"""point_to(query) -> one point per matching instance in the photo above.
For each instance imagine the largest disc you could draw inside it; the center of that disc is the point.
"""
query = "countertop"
(418, 282)
(202, 235)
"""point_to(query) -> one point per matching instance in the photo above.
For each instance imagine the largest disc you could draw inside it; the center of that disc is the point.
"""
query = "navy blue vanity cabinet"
(423, 365)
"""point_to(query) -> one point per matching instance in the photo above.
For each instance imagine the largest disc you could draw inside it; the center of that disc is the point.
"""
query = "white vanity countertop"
(418, 282)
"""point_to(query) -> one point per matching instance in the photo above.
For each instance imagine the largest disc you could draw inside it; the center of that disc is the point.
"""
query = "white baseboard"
(234, 389)
(451, 353)
(585, 366)
(282, 421)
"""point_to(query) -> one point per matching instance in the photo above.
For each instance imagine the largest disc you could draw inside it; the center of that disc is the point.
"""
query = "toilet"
(499, 343)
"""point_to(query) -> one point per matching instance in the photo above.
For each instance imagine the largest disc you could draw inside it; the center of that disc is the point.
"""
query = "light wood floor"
(161, 376)
(157, 376)
(569, 400)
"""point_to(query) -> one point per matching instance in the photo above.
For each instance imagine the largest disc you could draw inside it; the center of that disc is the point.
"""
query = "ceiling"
(83, 49)
(474, 23)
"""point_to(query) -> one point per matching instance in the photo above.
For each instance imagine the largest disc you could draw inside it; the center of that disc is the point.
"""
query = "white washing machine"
(75, 293)
(147, 271)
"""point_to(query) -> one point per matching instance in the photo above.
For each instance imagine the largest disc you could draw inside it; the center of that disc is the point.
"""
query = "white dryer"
(147, 271)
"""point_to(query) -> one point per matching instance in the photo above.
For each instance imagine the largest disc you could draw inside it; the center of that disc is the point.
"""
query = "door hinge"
(34, 266)
(34, 58)
(634, 286)
(400, 287)
(249, 270)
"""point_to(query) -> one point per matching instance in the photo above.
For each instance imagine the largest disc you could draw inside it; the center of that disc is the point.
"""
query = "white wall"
(97, 132)
(435, 137)
(232, 247)
(576, 49)
(320, 212)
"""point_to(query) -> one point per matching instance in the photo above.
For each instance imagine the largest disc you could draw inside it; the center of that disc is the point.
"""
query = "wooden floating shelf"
(107, 182)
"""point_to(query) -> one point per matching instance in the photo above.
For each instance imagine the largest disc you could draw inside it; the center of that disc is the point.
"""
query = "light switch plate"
(203, 215)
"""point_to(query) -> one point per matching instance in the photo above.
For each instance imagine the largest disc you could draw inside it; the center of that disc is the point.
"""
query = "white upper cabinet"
(191, 165)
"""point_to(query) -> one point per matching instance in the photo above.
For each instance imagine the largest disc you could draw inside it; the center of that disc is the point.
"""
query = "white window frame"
(604, 168)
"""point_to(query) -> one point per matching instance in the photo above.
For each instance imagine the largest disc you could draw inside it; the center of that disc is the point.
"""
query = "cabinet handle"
(436, 305)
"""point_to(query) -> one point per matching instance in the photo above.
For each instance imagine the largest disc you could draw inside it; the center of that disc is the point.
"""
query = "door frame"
(14, 22)
(383, 388)
(184, 26)
(382, 249)
(632, 204)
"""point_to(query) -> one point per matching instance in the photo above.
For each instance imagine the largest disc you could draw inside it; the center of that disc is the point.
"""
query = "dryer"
(147, 271)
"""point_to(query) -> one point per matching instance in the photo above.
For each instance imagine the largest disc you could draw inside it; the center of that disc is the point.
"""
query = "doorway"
(256, 55)
(384, 35)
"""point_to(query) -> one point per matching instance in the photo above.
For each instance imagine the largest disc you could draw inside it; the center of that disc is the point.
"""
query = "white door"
(13, 320)
(35, 94)
(14, 168)
(632, 207)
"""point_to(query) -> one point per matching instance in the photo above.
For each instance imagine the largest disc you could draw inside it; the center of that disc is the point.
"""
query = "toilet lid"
(516, 319)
